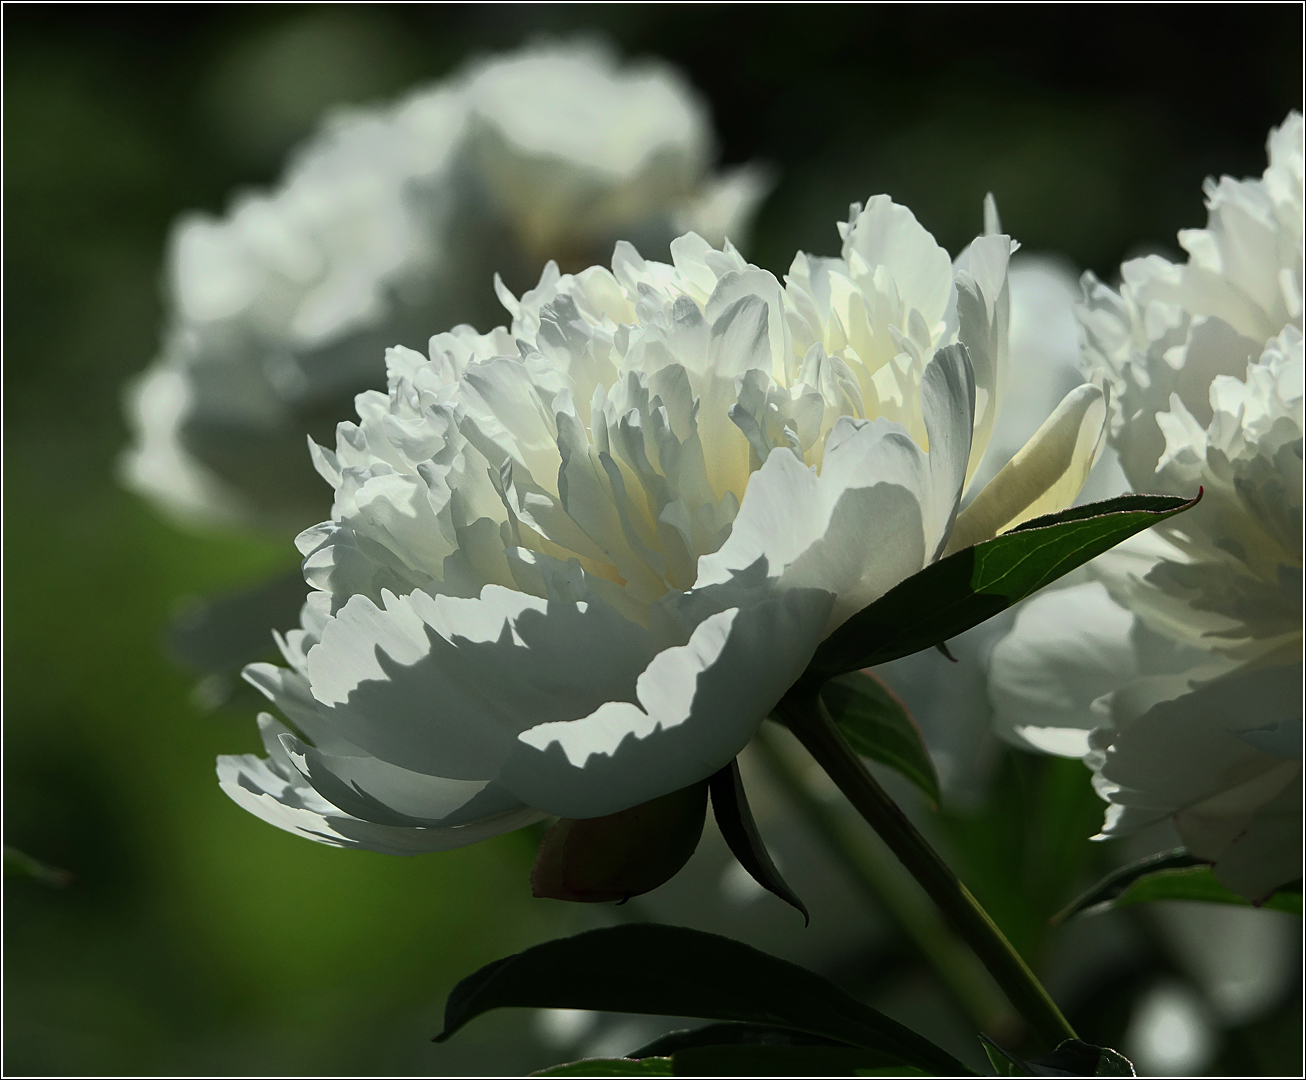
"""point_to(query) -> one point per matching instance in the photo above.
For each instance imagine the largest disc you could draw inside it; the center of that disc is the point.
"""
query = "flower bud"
(595, 860)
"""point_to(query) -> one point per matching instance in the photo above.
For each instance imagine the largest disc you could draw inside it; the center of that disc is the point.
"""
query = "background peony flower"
(571, 567)
(1177, 673)
(391, 221)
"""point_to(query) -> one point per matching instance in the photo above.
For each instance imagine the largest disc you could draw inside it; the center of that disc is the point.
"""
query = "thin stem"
(808, 719)
(962, 976)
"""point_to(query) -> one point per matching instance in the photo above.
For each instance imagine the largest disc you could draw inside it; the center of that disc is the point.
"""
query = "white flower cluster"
(1177, 672)
(390, 222)
(572, 565)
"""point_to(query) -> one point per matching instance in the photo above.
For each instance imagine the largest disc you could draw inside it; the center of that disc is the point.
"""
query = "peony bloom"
(572, 566)
(1177, 671)
(390, 222)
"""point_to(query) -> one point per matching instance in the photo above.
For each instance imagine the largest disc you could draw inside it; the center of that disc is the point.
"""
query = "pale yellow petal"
(1044, 476)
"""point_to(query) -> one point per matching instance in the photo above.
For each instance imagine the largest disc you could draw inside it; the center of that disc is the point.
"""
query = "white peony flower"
(391, 221)
(1177, 673)
(571, 567)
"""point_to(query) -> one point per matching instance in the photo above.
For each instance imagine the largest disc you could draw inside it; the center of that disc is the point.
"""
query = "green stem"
(961, 975)
(809, 720)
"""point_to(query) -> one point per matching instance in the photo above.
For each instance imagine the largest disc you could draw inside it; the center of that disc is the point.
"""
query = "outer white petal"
(270, 789)
(1266, 852)
(698, 705)
(1067, 648)
(444, 685)
(1182, 755)
(374, 790)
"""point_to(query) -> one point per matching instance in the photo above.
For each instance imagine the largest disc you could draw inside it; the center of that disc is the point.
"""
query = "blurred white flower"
(573, 567)
(392, 221)
(1177, 673)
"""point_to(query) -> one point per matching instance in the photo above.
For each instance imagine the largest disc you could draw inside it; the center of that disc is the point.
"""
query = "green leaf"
(878, 726)
(654, 1066)
(674, 971)
(735, 819)
(745, 1060)
(961, 591)
(1004, 1063)
(786, 1061)
(730, 1035)
(1073, 1057)
(1200, 883)
(1170, 875)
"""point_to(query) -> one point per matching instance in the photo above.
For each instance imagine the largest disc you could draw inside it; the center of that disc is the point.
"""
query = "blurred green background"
(195, 939)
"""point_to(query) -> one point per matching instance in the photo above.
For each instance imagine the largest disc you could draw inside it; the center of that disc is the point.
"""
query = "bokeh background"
(193, 939)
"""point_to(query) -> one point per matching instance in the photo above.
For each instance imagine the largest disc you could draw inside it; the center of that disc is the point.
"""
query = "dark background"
(194, 939)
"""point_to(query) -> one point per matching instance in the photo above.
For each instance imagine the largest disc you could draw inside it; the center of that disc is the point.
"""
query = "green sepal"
(610, 859)
(734, 817)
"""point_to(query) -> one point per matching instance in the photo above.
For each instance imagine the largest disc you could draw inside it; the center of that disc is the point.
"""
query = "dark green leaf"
(674, 971)
(1018, 848)
(786, 1061)
(1171, 875)
(654, 1066)
(1003, 1062)
(735, 819)
(1200, 883)
(1160, 504)
(730, 1035)
(1102, 895)
(878, 726)
(963, 590)
(1071, 1058)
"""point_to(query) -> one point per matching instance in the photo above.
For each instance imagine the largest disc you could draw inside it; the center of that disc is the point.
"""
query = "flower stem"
(809, 720)
(960, 973)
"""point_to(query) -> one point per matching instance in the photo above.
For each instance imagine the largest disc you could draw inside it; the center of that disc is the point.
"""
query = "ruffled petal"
(443, 685)
(696, 707)
(1067, 648)
(272, 790)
